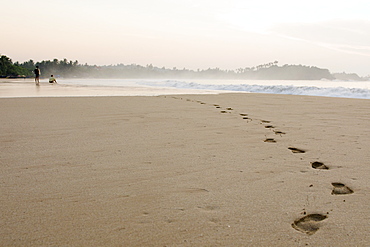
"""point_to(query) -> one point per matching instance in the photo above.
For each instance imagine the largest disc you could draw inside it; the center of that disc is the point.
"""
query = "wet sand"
(19, 88)
(185, 170)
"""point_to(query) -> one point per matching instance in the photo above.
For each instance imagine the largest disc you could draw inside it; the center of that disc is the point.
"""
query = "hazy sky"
(229, 34)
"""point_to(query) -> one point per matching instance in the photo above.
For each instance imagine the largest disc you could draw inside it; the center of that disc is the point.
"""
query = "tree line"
(72, 69)
(8, 69)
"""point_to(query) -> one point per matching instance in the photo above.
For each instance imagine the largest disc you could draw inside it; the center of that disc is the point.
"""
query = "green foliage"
(63, 68)
(8, 69)
(69, 69)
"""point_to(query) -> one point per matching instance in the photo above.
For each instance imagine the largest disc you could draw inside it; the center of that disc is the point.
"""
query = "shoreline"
(27, 88)
(184, 170)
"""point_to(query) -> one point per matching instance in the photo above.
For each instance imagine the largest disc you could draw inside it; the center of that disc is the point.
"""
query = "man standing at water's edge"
(37, 75)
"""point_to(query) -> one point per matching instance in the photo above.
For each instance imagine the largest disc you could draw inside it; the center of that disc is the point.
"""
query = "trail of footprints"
(308, 224)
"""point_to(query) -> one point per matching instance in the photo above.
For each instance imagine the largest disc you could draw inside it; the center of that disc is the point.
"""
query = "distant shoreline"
(268, 71)
(155, 87)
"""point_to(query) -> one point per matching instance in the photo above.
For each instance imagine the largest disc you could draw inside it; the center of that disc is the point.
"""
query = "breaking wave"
(344, 92)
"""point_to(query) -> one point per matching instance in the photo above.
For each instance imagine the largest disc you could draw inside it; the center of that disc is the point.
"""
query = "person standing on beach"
(37, 73)
(52, 79)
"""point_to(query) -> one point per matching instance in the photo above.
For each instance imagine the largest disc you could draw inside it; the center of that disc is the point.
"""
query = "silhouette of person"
(37, 73)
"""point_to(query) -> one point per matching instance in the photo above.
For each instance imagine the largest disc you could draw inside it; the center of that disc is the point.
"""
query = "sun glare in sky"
(192, 34)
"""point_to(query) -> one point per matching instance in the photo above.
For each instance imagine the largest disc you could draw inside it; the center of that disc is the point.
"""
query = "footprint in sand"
(229, 108)
(296, 150)
(224, 112)
(265, 121)
(269, 127)
(270, 140)
(278, 132)
(319, 165)
(194, 190)
(309, 224)
(243, 114)
(209, 208)
(340, 189)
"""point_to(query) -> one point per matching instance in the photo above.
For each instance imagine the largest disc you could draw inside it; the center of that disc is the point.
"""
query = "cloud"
(348, 36)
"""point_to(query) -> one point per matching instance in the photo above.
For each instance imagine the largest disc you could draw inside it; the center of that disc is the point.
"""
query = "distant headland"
(72, 69)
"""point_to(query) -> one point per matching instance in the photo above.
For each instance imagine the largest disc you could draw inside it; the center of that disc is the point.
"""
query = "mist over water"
(345, 89)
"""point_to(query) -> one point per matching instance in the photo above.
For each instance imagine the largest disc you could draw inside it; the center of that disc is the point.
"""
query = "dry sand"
(190, 170)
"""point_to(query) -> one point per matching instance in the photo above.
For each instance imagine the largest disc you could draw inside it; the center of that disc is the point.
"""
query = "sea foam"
(344, 92)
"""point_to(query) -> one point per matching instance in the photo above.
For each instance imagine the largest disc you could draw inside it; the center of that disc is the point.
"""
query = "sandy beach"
(19, 88)
(185, 170)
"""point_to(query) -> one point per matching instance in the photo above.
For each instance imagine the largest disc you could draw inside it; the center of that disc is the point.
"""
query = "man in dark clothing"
(37, 75)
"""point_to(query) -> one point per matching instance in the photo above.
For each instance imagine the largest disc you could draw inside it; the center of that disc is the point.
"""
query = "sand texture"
(189, 170)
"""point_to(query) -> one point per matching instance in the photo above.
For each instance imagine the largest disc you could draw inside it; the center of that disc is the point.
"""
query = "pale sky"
(228, 34)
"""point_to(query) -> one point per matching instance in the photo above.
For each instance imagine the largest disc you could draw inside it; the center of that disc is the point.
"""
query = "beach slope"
(185, 170)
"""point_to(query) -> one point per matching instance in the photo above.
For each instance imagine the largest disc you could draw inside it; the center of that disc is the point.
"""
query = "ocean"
(345, 89)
